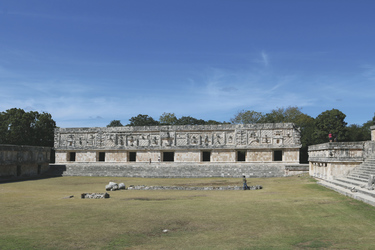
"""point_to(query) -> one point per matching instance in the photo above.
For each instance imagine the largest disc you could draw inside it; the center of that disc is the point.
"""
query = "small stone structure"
(21, 161)
(336, 159)
(347, 168)
(180, 151)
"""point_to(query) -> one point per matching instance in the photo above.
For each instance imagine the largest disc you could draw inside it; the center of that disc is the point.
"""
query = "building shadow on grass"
(52, 172)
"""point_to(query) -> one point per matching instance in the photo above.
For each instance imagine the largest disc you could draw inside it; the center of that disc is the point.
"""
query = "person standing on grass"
(244, 183)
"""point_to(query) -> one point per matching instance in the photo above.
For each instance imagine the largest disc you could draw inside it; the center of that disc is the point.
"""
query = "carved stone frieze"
(214, 136)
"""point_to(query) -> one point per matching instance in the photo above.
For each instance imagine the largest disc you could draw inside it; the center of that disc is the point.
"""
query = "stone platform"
(178, 170)
(355, 184)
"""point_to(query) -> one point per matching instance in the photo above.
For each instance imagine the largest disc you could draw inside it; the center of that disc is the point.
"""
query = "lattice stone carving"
(110, 140)
(144, 141)
(288, 140)
(182, 139)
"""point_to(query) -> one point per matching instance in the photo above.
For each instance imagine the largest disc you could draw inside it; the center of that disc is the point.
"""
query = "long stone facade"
(20, 161)
(209, 144)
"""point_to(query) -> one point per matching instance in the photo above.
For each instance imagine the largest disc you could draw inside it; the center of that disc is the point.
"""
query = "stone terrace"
(355, 184)
(178, 170)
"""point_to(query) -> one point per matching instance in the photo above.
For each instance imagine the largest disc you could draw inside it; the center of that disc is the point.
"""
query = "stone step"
(349, 181)
(358, 178)
(348, 185)
(362, 174)
(365, 196)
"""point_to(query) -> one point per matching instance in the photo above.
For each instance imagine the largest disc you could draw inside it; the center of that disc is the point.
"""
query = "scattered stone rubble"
(94, 196)
(112, 186)
(142, 187)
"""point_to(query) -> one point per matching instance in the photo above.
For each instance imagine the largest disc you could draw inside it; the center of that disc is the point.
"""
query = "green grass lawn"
(288, 213)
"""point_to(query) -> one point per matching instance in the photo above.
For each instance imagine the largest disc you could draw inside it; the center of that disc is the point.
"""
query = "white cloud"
(264, 58)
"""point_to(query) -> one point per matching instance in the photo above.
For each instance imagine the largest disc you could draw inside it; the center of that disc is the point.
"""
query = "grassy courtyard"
(288, 213)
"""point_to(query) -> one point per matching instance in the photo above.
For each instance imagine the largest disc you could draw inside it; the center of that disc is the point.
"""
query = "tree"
(213, 122)
(142, 120)
(306, 125)
(246, 116)
(358, 133)
(330, 121)
(289, 114)
(44, 130)
(188, 120)
(26, 128)
(115, 123)
(168, 119)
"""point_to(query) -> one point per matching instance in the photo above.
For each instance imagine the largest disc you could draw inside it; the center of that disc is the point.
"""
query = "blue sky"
(90, 62)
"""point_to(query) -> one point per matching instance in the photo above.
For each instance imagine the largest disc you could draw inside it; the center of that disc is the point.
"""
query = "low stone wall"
(180, 170)
(19, 161)
(336, 159)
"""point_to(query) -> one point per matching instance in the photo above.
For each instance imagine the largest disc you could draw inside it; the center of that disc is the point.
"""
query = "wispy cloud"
(265, 59)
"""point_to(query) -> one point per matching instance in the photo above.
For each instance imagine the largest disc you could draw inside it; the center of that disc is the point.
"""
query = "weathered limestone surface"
(180, 170)
(16, 161)
(256, 150)
(180, 143)
(348, 168)
(336, 159)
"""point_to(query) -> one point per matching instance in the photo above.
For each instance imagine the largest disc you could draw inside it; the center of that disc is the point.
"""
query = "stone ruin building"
(23, 161)
(179, 151)
(346, 167)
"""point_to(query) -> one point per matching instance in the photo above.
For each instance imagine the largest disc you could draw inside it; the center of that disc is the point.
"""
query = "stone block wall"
(336, 159)
(186, 156)
(223, 156)
(372, 133)
(17, 161)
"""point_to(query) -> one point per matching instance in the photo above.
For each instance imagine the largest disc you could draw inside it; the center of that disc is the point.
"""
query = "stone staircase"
(355, 184)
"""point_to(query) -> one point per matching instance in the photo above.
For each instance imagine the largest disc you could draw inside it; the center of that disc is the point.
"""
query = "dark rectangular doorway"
(72, 156)
(168, 156)
(101, 156)
(241, 155)
(277, 155)
(132, 156)
(206, 156)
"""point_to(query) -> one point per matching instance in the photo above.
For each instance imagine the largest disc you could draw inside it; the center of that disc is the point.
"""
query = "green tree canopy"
(142, 120)
(358, 133)
(115, 123)
(289, 114)
(26, 128)
(168, 119)
(330, 121)
(188, 120)
(247, 116)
